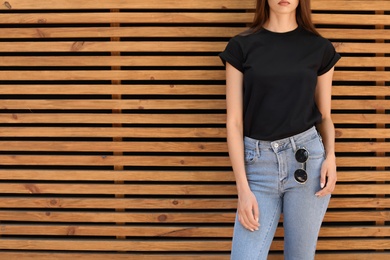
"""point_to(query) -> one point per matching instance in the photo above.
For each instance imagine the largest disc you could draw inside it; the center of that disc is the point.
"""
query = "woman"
(278, 93)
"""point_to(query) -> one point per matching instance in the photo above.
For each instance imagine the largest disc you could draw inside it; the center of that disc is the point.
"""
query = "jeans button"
(276, 145)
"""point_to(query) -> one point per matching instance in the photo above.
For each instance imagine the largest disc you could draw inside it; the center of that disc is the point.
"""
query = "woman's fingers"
(248, 217)
(328, 178)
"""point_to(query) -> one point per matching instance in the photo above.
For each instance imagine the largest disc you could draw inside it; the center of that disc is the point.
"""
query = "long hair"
(303, 17)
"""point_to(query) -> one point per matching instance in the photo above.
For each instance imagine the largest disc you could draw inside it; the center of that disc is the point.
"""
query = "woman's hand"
(328, 176)
(248, 211)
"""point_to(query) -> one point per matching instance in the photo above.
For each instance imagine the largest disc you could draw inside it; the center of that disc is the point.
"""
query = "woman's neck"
(281, 22)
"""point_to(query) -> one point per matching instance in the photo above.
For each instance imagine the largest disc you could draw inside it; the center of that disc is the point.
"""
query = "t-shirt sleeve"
(233, 54)
(329, 59)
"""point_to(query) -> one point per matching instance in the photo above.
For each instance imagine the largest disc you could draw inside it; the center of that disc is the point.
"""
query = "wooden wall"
(112, 137)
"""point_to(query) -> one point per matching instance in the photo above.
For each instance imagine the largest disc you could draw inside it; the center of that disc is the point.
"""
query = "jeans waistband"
(277, 145)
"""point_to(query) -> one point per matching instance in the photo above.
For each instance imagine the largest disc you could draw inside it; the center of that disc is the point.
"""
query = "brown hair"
(303, 16)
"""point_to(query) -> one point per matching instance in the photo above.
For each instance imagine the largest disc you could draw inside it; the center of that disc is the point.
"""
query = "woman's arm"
(323, 98)
(247, 204)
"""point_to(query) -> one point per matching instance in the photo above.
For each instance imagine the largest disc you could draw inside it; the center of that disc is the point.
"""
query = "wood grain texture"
(113, 138)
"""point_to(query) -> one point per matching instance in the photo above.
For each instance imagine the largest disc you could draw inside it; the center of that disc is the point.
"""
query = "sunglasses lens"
(301, 155)
(300, 175)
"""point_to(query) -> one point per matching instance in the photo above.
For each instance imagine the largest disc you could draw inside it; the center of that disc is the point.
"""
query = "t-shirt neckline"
(281, 33)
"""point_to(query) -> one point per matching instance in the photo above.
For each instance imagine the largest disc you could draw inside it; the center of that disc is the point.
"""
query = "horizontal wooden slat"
(177, 245)
(133, 31)
(362, 176)
(150, 189)
(136, 18)
(160, 46)
(362, 189)
(135, 256)
(360, 91)
(161, 104)
(350, 19)
(161, 146)
(114, 61)
(43, 75)
(360, 75)
(173, 231)
(144, 46)
(168, 217)
(103, 160)
(123, 89)
(363, 161)
(355, 34)
(119, 256)
(175, 17)
(359, 118)
(133, 217)
(363, 147)
(114, 146)
(144, 31)
(143, 175)
(362, 133)
(139, 203)
(116, 104)
(113, 118)
(126, 4)
(347, 47)
(173, 203)
(360, 104)
(163, 189)
(363, 61)
(148, 132)
(126, 75)
(101, 245)
(349, 5)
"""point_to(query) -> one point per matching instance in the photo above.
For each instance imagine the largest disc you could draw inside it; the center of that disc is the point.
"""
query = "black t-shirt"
(280, 76)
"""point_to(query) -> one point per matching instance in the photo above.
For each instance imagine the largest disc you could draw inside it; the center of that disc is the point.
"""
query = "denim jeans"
(270, 168)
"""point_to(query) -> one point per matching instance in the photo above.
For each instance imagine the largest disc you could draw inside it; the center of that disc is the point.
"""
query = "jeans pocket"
(250, 156)
(316, 149)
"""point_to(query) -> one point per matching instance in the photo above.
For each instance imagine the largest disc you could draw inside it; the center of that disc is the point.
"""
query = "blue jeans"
(270, 168)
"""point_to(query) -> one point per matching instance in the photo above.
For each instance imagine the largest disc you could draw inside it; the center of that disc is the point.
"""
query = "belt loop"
(257, 148)
(293, 144)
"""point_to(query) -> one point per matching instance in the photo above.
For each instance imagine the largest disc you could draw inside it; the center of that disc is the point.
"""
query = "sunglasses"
(300, 175)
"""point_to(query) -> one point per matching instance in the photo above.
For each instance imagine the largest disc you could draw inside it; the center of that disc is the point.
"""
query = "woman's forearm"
(327, 131)
(236, 154)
